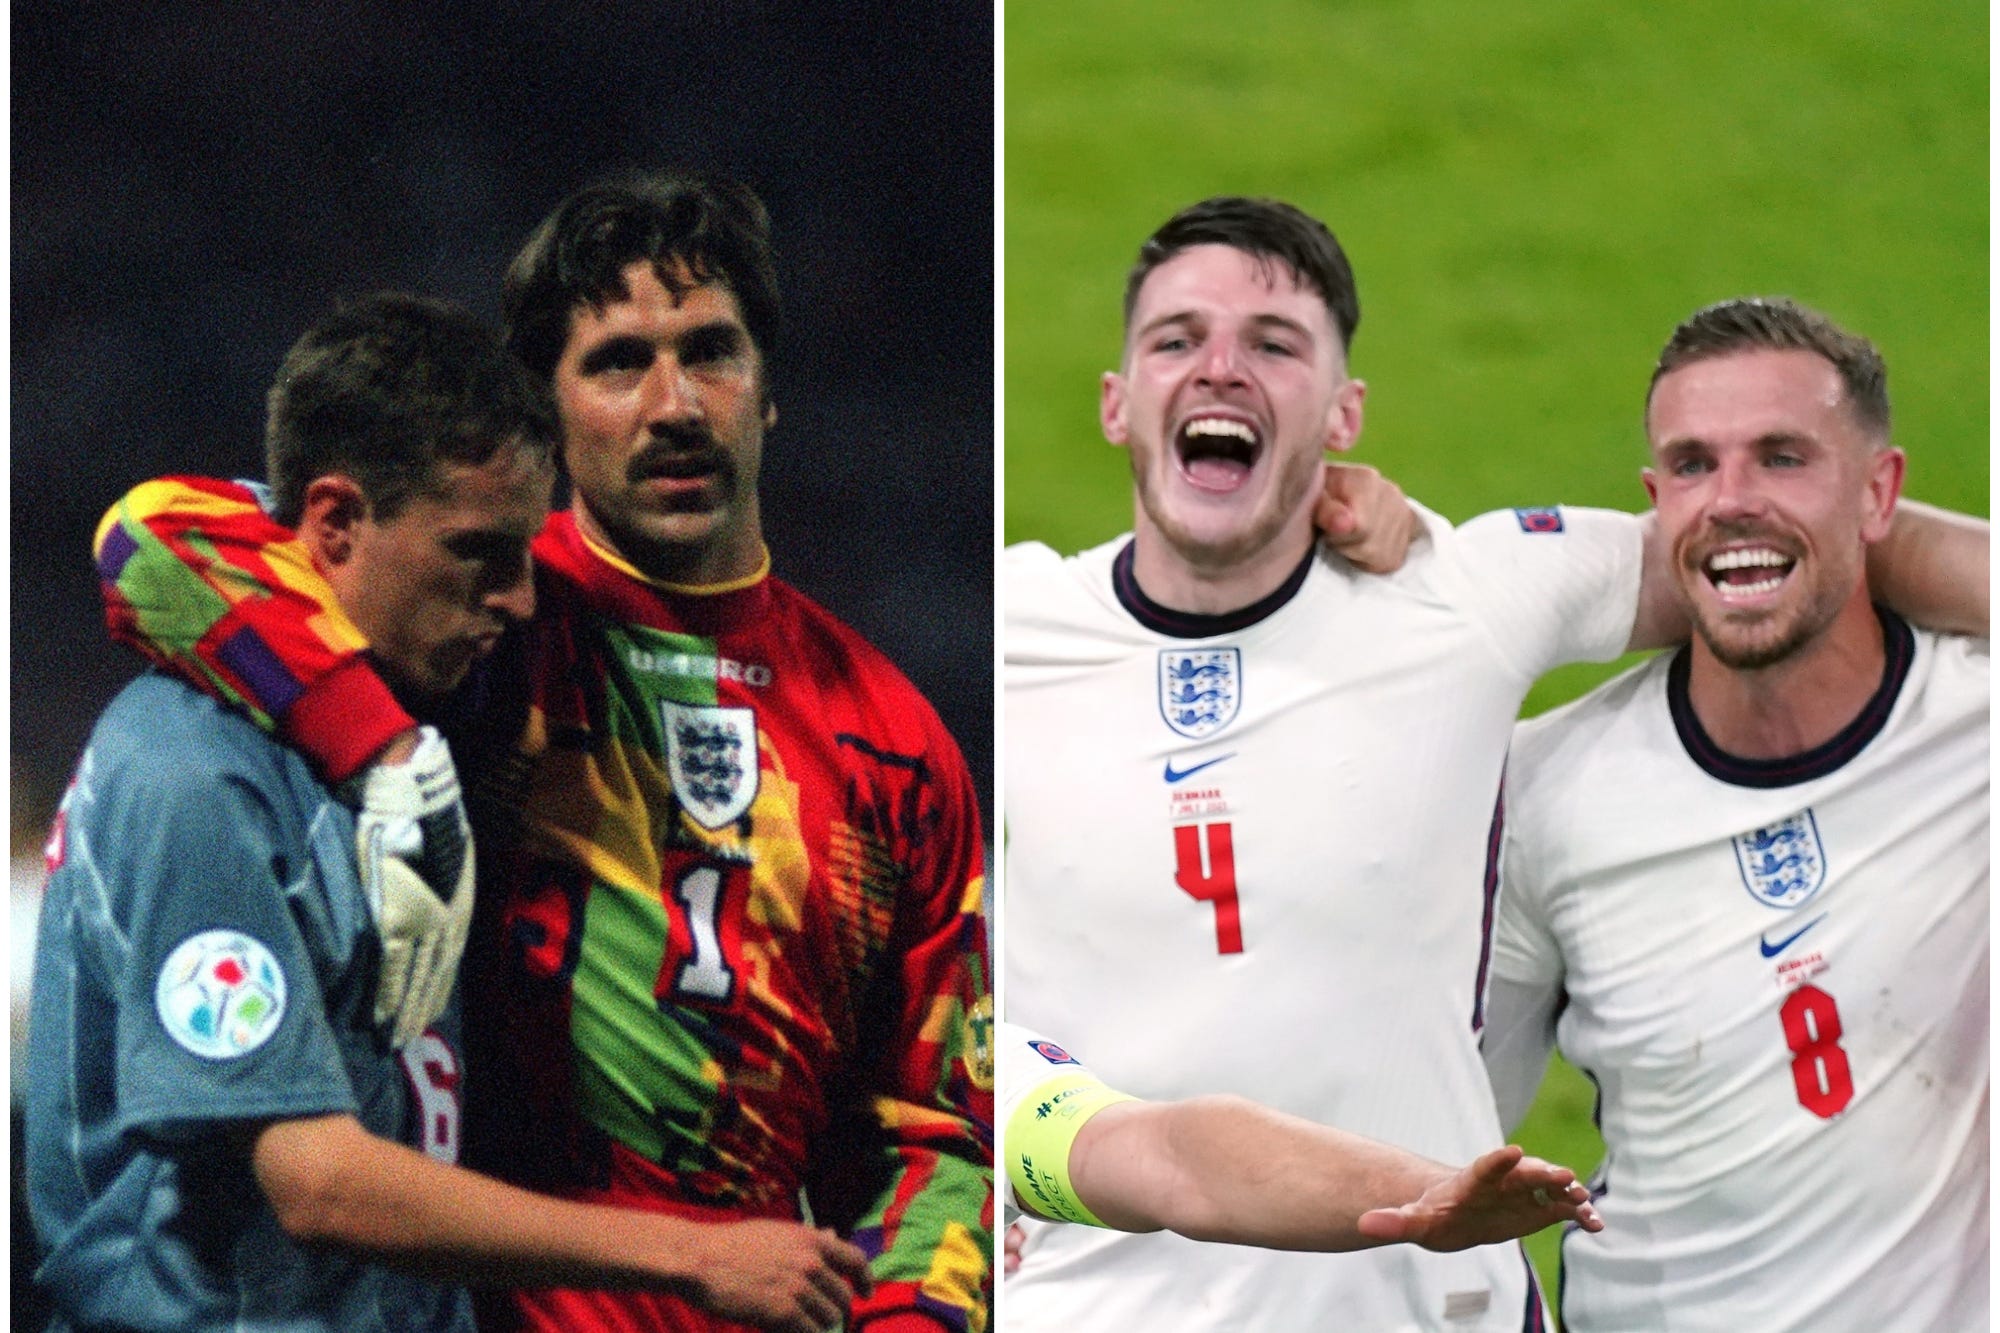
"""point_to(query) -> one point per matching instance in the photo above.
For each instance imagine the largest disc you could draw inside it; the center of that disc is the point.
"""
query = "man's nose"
(671, 395)
(1221, 362)
(514, 599)
(1738, 491)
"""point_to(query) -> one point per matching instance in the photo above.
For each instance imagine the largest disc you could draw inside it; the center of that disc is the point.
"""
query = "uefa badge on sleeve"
(1200, 689)
(221, 994)
(1051, 1052)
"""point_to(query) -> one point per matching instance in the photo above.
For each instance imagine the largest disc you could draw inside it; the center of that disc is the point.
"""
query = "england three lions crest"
(1783, 865)
(711, 759)
(1200, 689)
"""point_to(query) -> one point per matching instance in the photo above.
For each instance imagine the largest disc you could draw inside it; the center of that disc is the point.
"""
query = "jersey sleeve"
(1046, 1098)
(201, 580)
(219, 1012)
(1549, 586)
(929, 1229)
(1524, 993)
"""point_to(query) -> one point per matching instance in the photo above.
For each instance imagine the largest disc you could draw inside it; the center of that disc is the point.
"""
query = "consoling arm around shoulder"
(333, 1183)
(202, 581)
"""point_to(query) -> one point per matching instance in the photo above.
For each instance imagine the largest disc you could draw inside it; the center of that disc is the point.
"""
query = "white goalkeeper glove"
(415, 851)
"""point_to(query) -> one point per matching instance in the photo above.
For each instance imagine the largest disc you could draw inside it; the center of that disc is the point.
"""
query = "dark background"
(194, 184)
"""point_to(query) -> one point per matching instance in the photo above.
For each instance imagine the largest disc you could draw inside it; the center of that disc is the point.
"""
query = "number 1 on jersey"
(705, 973)
(1208, 875)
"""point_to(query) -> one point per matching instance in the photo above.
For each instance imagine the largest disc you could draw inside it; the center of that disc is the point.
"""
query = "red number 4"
(1819, 1067)
(1210, 878)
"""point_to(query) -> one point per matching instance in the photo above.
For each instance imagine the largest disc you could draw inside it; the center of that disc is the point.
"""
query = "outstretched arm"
(1226, 1169)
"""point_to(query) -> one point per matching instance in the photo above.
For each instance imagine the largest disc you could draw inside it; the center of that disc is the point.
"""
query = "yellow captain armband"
(1041, 1131)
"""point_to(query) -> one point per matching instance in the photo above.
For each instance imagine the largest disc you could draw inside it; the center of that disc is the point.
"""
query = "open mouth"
(1217, 453)
(1742, 572)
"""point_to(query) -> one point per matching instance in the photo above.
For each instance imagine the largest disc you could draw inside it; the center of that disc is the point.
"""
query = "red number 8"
(1819, 1066)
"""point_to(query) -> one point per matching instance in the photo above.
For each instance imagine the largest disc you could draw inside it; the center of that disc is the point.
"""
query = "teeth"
(1223, 426)
(1749, 589)
(1752, 558)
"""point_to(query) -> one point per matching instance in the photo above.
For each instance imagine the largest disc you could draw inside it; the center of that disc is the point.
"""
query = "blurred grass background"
(1532, 197)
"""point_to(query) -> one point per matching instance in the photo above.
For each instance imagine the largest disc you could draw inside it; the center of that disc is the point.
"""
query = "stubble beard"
(1773, 636)
(1265, 524)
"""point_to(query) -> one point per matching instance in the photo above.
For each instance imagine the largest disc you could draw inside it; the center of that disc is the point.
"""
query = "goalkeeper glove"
(415, 851)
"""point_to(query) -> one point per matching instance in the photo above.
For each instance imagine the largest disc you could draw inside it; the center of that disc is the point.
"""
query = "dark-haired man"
(1745, 885)
(731, 945)
(1268, 879)
(221, 1135)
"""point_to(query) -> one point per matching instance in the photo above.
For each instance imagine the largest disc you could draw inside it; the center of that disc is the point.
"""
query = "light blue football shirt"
(207, 960)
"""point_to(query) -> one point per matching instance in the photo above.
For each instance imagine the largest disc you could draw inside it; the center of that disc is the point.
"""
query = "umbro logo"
(1771, 950)
(1183, 774)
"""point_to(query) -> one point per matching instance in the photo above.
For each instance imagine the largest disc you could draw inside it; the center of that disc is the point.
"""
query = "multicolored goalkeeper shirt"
(732, 949)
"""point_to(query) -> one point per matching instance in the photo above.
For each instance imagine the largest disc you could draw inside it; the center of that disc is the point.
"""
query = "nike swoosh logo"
(1184, 774)
(1773, 950)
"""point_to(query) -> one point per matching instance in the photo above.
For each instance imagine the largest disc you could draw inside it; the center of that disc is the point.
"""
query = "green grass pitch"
(1532, 197)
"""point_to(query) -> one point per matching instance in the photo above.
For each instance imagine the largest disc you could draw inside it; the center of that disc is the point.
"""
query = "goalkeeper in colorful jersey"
(729, 945)
(243, 1112)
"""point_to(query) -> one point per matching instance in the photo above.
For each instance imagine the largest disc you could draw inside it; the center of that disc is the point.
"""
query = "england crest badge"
(1200, 689)
(711, 759)
(1783, 865)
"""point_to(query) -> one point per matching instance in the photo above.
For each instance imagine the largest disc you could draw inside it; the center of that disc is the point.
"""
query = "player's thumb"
(1387, 1225)
(1334, 518)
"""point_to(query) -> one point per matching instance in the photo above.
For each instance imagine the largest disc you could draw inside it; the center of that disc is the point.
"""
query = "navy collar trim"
(1899, 650)
(1189, 625)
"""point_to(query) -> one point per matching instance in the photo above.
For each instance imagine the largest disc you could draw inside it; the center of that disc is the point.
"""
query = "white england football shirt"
(1776, 972)
(1246, 854)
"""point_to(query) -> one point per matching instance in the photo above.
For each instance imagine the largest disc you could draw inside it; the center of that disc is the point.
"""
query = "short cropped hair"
(1780, 324)
(1271, 231)
(386, 389)
(718, 229)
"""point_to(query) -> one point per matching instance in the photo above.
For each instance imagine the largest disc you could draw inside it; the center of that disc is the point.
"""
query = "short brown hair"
(1268, 230)
(387, 389)
(1780, 324)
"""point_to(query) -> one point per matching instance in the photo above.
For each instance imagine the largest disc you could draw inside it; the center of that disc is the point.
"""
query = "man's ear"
(1885, 486)
(333, 511)
(1343, 418)
(1111, 413)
